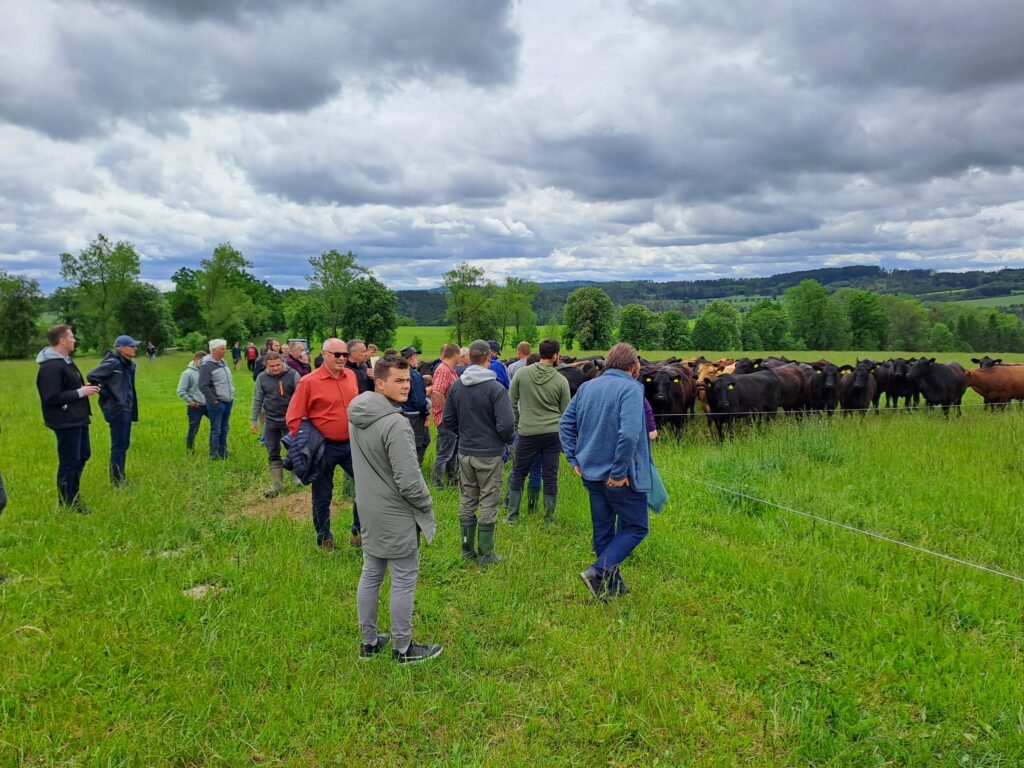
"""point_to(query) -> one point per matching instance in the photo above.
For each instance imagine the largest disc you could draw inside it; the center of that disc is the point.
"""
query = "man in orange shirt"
(323, 397)
(446, 461)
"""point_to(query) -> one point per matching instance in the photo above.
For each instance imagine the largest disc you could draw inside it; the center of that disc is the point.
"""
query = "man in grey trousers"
(394, 508)
(479, 412)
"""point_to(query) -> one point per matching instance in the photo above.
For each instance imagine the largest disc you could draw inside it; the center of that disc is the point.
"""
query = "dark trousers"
(120, 441)
(619, 519)
(195, 418)
(335, 455)
(272, 434)
(548, 447)
(446, 460)
(3, 494)
(220, 421)
(73, 450)
(420, 433)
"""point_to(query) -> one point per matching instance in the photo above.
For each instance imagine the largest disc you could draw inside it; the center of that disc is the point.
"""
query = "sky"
(578, 140)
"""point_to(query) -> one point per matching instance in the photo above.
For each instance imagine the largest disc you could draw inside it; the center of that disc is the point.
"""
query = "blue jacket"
(417, 402)
(501, 372)
(305, 452)
(604, 433)
(116, 377)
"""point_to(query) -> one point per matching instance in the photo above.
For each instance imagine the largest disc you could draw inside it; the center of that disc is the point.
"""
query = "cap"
(479, 346)
(409, 351)
(494, 346)
(126, 341)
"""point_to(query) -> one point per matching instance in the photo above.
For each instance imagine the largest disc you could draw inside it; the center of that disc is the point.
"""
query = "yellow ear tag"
(676, 379)
(818, 372)
(756, 366)
(732, 386)
(648, 378)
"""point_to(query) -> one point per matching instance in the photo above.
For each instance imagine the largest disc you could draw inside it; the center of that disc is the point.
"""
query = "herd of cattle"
(747, 389)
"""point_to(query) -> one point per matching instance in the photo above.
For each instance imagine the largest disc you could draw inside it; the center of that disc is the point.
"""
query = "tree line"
(808, 317)
(104, 296)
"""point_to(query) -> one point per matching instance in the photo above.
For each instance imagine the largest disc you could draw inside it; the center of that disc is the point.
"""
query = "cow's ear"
(931, 360)
(997, 361)
(976, 361)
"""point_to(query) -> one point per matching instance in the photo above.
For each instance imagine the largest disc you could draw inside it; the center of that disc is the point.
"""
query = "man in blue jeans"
(218, 387)
(115, 376)
(604, 437)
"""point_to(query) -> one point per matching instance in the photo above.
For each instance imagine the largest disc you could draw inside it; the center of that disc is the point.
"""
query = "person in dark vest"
(64, 397)
(357, 364)
(115, 376)
(416, 407)
(274, 390)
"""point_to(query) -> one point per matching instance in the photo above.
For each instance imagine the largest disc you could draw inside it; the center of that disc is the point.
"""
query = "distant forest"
(427, 307)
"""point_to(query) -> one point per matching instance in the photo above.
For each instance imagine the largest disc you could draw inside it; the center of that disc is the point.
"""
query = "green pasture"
(752, 636)
(995, 302)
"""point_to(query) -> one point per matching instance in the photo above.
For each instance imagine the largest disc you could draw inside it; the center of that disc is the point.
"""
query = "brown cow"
(997, 385)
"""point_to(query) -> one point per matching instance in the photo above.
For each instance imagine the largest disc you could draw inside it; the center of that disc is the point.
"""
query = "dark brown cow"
(792, 386)
(671, 391)
(857, 386)
(997, 385)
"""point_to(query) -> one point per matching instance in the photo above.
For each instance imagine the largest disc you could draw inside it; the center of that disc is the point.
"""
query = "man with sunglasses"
(323, 397)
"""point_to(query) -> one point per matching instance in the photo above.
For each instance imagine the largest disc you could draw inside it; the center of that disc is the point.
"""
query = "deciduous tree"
(589, 318)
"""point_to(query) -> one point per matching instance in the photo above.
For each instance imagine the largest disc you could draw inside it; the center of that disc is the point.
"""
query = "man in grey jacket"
(479, 411)
(218, 388)
(395, 507)
(188, 390)
(273, 391)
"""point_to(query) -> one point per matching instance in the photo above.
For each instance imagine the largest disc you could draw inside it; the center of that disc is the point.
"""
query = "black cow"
(792, 386)
(857, 387)
(731, 396)
(671, 391)
(897, 383)
(745, 365)
(822, 386)
(427, 367)
(941, 383)
(578, 373)
(986, 361)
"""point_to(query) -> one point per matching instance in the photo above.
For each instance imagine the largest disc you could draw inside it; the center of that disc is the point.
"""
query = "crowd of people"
(371, 415)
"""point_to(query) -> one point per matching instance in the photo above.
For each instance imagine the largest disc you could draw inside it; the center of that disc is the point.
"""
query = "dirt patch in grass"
(199, 591)
(294, 506)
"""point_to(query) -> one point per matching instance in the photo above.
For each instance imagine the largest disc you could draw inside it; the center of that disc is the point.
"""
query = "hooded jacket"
(188, 385)
(393, 499)
(539, 395)
(479, 412)
(60, 383)
(272, 395)
(116, 377)
(215, 381)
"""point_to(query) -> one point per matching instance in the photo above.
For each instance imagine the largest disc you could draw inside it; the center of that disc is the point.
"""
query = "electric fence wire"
(848, 527)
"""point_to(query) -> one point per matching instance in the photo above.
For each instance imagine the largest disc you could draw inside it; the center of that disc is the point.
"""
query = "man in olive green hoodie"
(540, 394)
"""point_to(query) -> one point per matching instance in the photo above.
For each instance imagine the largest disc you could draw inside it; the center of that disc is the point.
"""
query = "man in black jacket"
(416, 408)
(357, 364)
(115, 376)
(274, 390)
(479, 411)
(64, 397)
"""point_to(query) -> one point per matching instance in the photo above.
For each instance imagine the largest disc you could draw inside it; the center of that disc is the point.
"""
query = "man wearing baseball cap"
(416, 408)
(115, 376)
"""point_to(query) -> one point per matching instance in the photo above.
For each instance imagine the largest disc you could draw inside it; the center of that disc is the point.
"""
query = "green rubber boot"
(550, 499)
(515, 498)
(468, 540)
(485, 545)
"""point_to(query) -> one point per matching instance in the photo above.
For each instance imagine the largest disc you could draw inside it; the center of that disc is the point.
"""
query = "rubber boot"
(512, 507)
(276, 475)
(468, 539)
(485, 545)
(531, 499)
(550, 500)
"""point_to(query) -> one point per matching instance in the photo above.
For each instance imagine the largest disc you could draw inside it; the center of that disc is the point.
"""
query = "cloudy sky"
(583, 139)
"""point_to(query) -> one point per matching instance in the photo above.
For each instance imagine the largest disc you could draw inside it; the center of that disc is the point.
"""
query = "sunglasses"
(337, 354)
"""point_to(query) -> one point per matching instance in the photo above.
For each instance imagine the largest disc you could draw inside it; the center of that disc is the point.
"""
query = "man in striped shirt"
(446, 464)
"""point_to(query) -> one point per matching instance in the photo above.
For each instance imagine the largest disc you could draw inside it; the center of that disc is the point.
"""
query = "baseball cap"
(126, 341)
(494, 346)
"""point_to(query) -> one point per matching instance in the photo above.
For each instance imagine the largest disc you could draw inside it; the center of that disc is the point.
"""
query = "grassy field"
(752, 636)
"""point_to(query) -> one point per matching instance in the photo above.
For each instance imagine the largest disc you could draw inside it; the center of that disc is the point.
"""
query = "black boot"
(468, 539)
(550, 499)
(531, 499)
(512, 507)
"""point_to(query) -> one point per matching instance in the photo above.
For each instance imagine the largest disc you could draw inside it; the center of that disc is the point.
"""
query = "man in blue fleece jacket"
(604, 437)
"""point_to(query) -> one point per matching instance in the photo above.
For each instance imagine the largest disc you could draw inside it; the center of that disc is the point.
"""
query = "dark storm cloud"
(108, 61)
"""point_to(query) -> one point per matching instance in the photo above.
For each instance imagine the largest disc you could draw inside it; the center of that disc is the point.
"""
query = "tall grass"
(751, 636)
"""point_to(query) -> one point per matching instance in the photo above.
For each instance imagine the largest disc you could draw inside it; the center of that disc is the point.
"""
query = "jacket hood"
(541, 373)
(49, 353)
(370, 407)
(474, 374)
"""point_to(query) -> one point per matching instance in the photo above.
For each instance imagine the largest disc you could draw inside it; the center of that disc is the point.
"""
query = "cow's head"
(920, 367)
(829, 374)
(900, 368)
(986, 361)
(721, 391)
(746, 365)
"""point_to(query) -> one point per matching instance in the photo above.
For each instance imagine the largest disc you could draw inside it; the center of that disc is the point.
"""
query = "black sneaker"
(416, 652)
(593, 581)
(369, 651)
(616, 586)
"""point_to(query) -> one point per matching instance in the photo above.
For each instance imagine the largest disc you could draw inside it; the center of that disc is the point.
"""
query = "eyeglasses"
(337, 354)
